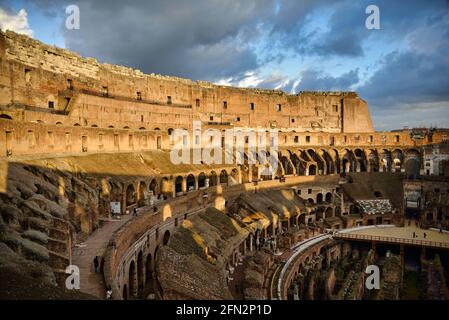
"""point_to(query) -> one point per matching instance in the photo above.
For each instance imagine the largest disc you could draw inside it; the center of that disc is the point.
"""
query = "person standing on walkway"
(425, 235)
(96, 264)
(414, 234)
(109, 293)
(135, 212)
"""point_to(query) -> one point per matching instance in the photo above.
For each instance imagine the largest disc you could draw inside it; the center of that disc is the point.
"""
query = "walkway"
(83, 255)
(399, 235)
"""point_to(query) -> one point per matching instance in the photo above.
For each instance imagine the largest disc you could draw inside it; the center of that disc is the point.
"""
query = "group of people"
(416, 236)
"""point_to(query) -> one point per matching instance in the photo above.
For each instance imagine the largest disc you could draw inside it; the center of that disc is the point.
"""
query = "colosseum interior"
(87, 180)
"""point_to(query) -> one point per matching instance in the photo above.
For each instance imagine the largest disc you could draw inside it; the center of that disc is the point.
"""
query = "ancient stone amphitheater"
(77, 135)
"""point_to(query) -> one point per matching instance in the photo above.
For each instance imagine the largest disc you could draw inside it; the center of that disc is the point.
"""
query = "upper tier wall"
(34, 76)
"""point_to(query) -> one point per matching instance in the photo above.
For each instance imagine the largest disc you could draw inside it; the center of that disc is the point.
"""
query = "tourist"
(414, 235)
(425, 235)
(96, 264)
(109, 293)
(135, 212)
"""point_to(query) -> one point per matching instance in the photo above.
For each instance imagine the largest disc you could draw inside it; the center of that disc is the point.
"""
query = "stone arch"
(397, 159)
(140, 272)
(213, 180)
(125, 292)
(373, 161)
(312, 170)
(330, 165)
(223, 177)
(360, 158)
(286, 164)
(348, 161)
(318, 160)
(386, 160)
(319, 198)
(153, 187)
(130, 195)
(334, 154)
(235, 177)
(328, 197)
(329, 213)
(201, 180)
(148, 269)
(132, 279)
(178, 184)
(412, 163)
(190, 182)
(299, 164)
(166, 238)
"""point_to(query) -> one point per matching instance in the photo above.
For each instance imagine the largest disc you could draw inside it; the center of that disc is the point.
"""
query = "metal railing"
(423, 243)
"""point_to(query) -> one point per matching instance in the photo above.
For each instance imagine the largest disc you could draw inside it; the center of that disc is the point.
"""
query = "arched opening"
(149, 271)
(378, 194)
(202, 180)
(140, 272)
(286, 164)
(132, 279)
(224, 177)
(312, 170)
(178, 185)
(318, 160)
(373, 160)
(329, 213)
(361, 160)
(190, 182)
(412, 164)
(234, 177)
(213, 179)
(125, 292)
(328, 197)
(166, 238)
(5, 116)
(130, 195)
(319, 198)
(153, 187)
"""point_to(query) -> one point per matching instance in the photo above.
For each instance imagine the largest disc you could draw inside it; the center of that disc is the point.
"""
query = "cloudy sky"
(402, 70)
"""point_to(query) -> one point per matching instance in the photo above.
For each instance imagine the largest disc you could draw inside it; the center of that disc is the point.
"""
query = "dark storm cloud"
(420, 74)
(345, 34)
(195, 39)
(314, 80)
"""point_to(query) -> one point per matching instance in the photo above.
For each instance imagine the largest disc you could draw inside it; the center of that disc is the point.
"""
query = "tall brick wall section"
(356, 116)
(33, 74)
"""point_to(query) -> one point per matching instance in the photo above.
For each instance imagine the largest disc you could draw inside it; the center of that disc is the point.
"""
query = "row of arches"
(141, 272)
(333, 161)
